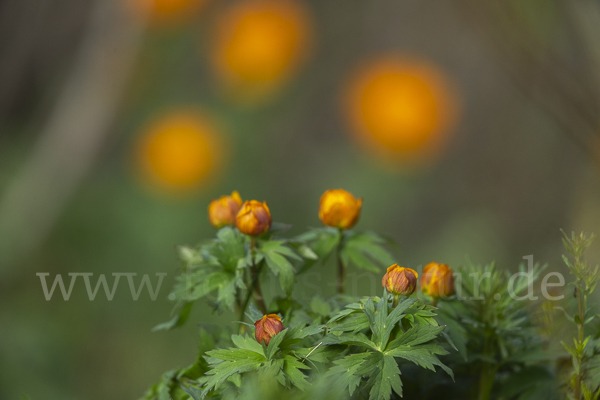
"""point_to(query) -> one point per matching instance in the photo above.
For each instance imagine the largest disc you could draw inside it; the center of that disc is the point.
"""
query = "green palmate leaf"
(190, 255)
(354, 322)
(416, 335)
(283, 269)
(279, 227)
(300, 331)
(246, 342)
(345, 371)
(278, 256)
(318, 353)
(455, 331)
(304, 251)
(274, 344)
(196, 284)
(229, 248)
(273, 369)
(253, 313)
(385, 379)
(366, 251)
(588, 394)
(391, 320)
(226, 294)
(194, 392)
(162, 389)
(354, 255)
(177, 320)
(292, 370)
(526, 382)
(350, 339)
(281, 247)
(233, 354)
(350, 309)
(321, 242)
(378, 321)
(423, 355)
(320, 306)
(226, 363)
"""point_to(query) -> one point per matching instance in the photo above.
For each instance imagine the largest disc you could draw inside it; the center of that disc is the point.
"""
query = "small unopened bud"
(267, 327)
(400, 280)
(223, 210)
(254, 218)
(437, 280)
(339, 209)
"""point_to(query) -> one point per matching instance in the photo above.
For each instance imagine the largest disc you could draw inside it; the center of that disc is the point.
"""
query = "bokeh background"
(469, 128)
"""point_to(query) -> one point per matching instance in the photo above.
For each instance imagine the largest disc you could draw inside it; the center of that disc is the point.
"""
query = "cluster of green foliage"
(479, 344)
(585, 379)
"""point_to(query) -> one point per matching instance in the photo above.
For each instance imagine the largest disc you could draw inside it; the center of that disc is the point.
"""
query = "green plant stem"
(488, 372)
(486, 382)
(396, 298)
(248, 296)
(581, 304)
(341, 266)
(434, 301)
(255, 270)
(253, 290)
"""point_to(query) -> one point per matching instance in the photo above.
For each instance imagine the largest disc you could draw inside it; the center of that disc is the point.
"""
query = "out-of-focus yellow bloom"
(401, 107)
(179, 151)
(437, 280)
(267, 327)
(168, 11)
(223, 210)
(400, 280)
(254, 218)
(339, 208)
(259, 43)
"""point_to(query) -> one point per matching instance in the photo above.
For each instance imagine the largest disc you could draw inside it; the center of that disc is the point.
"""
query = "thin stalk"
(396, 298)
(341, 266)
(247, 299)
(258, 297)
(581, 305)
(487, 381)
(488, 372)
(253, 290)
(581, 300)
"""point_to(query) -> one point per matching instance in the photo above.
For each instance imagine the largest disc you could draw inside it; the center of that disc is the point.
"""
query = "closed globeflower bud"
(437, 280)
(223, 210)
(267, 327)
(400, 280)
(254, 218)
(339, 208)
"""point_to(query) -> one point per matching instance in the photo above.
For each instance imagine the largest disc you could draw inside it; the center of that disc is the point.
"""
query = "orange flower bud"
(222, 211)
(254, 218)
(267, 327)
(339, 209)
(437, 280)
(400, 280)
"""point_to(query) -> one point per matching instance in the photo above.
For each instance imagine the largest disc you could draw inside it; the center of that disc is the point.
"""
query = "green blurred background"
(83, 82)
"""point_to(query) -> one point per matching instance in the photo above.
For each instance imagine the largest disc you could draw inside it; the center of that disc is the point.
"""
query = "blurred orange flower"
(167, 11)
(180, 151)
(260, 43)
(222, 211)
(437, 280)
(339, 208)
(401, 107)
